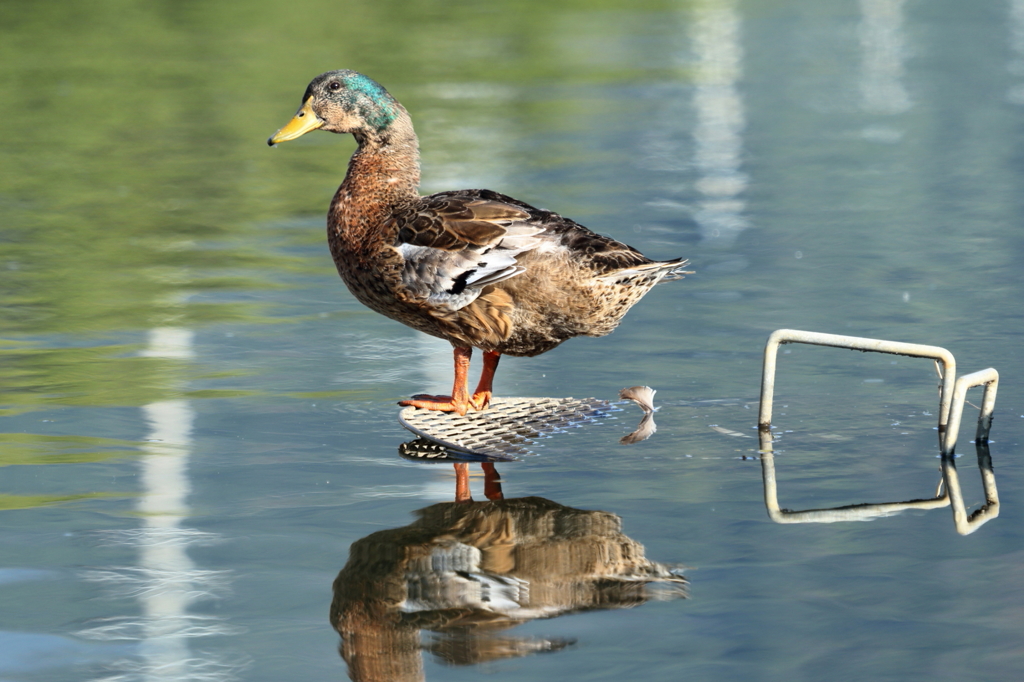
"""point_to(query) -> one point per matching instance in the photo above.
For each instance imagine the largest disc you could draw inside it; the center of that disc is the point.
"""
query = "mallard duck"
(478, 268)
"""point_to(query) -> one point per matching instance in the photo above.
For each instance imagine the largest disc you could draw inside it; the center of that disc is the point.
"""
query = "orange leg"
(462, 482)
(482, 396)
(458, 401)
(492, 482)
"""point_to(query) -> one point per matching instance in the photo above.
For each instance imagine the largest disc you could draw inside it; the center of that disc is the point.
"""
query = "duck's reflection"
(468, 571)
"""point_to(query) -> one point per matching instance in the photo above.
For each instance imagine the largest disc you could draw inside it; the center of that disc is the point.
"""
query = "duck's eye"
(335, 85)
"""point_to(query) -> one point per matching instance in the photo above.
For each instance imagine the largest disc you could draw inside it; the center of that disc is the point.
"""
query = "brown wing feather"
(454, 222)
(484, 323)
(602, 255)
(454, 245)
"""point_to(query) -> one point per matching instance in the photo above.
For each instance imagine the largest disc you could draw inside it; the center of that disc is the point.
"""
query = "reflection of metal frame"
(853, 512)
(965, 525)
(951, 404)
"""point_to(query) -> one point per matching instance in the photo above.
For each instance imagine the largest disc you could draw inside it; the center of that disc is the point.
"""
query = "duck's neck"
(384, 173)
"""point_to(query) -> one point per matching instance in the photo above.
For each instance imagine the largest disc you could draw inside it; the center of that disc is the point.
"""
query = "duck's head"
(342, 102)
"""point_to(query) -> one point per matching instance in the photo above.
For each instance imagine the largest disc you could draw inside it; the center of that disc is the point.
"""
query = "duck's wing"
(454, 244)
(602, 256)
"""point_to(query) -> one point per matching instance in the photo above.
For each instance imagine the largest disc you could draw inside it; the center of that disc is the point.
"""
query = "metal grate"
(502, 432)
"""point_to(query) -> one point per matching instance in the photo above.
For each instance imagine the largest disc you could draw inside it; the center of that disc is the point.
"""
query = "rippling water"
(197, 421)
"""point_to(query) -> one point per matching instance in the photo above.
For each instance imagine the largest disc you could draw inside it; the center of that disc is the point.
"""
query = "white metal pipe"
(990, 379)
(782, 336)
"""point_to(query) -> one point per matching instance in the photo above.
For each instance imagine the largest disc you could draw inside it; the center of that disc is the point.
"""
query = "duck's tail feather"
(676, 269)
(657, 270)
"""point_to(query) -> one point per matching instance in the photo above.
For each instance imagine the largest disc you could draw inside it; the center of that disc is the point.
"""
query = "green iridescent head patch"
(381, 111)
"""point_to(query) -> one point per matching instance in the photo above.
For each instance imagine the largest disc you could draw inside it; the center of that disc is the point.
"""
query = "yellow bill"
(303, 121)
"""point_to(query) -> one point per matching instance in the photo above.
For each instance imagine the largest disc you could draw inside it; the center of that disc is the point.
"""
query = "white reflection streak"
(715, 35)
(882, 54)
(165, 582)
(1015, 94)
(166, 566)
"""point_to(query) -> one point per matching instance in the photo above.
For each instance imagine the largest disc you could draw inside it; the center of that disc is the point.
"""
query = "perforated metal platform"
(503, 432)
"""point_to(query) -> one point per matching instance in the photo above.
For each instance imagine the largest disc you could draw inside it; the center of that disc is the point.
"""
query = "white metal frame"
(952, 396)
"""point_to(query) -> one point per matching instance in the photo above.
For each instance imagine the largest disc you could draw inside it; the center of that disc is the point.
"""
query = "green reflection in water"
(28, 448)
(136, 187)
(11, 502)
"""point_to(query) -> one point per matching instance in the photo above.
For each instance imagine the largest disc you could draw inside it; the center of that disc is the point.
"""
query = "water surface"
(198, 420)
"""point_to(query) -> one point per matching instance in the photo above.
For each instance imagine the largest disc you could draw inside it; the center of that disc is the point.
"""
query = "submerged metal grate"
(501, 432)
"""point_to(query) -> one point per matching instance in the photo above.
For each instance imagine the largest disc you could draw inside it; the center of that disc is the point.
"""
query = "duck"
(474, 267)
